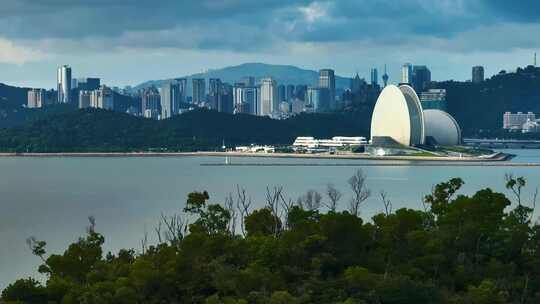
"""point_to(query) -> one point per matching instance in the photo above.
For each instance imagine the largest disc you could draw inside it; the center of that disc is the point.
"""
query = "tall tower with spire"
(385, 77)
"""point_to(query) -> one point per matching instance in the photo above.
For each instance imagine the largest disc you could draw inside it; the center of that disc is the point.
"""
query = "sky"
(126, 42)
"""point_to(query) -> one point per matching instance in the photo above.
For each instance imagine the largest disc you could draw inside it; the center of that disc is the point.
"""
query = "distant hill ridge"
(283, 74)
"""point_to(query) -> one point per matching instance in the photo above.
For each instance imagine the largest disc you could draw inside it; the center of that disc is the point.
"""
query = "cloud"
(16, 54)
(254, 26)
(313, 32)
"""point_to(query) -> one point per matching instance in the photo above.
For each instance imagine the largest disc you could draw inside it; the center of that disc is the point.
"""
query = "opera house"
(399, 121)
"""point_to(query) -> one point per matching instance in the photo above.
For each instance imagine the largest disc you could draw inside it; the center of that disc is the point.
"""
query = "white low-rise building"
(255, 149)
(335, 142)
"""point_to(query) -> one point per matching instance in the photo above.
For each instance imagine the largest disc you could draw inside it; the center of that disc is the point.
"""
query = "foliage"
(479, 107)
(475, 248)
(95, 130)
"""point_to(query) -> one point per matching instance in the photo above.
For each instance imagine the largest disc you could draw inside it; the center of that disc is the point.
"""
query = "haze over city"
(128, 42)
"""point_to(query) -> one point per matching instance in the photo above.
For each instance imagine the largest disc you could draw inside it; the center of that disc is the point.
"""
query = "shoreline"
(498, 157)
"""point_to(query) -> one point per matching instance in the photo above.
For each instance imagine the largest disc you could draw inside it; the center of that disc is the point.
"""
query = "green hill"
(99, 130)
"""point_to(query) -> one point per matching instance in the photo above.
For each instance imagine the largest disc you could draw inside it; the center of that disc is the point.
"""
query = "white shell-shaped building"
(398, 117)
(441, 128)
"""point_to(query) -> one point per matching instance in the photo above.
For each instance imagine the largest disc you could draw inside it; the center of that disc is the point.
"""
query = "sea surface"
(51, 197)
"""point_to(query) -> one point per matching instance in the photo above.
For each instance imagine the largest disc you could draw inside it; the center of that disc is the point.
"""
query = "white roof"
(398, 115)
(442, 127)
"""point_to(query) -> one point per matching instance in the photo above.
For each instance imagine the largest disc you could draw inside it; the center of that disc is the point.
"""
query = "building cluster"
(84, 92)
(261, 97)
(521, 122)
(264, 97)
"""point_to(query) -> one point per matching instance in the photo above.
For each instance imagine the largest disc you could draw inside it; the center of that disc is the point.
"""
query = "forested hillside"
(99, 130)
(481, 106)
(459, 250)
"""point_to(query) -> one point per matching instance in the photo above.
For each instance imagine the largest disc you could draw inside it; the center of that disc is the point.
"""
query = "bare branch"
(360, 191)
(310, 201)
(229, 205)
(386, 203)
(243, 205)
(334, 196)
(272, 203)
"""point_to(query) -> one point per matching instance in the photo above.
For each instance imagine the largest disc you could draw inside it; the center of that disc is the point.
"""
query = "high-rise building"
(515, 121)
(38, 98)
(269, 100)
(84, 99)
(318, 99)
(246, 99)
(434, 99)
(182, 86)
(64, 84)
(290, 92)
(214, 92)
(150, 103)
(421, 76)
(102, 98)
(199, 91)
(477, 74)
(327, 80)
(226, 101)
(86, 84)
(374, 77)
(298, 105)
(282, 91)
(300, 92)
(170, 98)
(406, 73)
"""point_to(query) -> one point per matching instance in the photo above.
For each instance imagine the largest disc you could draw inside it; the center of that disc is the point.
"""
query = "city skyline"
(449, 36)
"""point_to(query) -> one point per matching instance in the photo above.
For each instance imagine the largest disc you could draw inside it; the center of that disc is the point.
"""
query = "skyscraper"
(374, 77)
(477, 74)
(421, 77)
(246, 99)
(290, 92)
(327, 80)
(317, 99)
(182, 85)
(226, 101)
(300, 91)
(406, 73)
(199, 90)
(281, 93)
(63, 77)
(150, 103)
(269, 102)
(214, 93)
(170, 96)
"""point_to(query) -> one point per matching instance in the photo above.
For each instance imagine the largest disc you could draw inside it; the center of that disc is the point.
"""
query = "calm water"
(51, 198)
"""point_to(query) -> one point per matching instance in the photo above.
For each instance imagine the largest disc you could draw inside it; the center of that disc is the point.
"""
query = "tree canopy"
(481, 248)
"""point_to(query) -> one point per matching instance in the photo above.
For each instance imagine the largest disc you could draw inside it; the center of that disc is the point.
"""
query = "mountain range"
(283, 74)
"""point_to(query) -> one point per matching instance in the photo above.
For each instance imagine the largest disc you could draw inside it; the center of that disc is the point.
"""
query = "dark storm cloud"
(251, 25)
(518, 11)
(81, 18)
